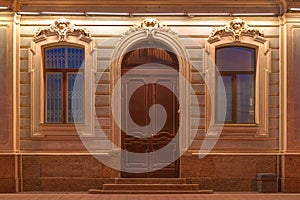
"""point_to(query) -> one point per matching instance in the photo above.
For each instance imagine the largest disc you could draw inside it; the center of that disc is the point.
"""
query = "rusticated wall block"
(7, 174)
(226, 173)
(65, 173)
(292, 174)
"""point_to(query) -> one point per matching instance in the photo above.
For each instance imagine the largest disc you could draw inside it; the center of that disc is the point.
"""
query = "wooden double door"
(150, 156)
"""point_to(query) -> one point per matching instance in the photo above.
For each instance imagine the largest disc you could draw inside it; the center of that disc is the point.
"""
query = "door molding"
(153, 163)
(151, 29)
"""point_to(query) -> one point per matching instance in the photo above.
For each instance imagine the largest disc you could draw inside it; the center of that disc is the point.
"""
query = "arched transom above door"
(149, 53)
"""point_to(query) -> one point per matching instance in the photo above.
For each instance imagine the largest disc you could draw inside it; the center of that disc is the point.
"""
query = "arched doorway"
(152, 77)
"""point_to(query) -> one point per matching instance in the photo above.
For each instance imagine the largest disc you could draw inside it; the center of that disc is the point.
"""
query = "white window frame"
(51, 37)
(247, 37)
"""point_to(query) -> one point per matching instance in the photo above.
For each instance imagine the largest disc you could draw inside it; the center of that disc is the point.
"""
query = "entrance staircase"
(150, 186)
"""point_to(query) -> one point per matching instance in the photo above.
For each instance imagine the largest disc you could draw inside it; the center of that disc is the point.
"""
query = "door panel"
(138, 108)
(167, 98)
(136, 162)
(150, 93)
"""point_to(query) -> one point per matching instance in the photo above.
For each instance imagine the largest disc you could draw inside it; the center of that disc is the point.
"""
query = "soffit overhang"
(146, 6)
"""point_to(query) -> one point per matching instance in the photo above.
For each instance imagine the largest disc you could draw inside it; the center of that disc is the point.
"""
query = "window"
(63, 75)
(243, 58)
(62, 65)
(237, 66)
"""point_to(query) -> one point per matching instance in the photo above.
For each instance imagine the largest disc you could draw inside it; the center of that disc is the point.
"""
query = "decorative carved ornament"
(235, 28)
(62, 28)
(150, 25)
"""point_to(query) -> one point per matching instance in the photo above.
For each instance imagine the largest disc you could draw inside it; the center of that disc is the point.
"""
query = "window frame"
(234, 86)
(36, 69)
(65, 85)
(261, 126)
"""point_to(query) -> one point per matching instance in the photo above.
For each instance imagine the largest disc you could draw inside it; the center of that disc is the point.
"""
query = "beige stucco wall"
(192, 33)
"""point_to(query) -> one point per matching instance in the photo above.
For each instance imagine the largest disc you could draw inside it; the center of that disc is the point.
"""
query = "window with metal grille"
(63, 75)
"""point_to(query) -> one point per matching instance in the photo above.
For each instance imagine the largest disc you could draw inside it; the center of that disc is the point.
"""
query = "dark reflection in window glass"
(227, 81)
(236, 67)
(236, 59)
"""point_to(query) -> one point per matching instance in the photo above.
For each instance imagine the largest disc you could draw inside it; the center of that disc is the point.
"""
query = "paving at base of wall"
(218, 196)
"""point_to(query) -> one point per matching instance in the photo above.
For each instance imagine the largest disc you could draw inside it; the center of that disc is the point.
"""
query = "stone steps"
(150, 180)
(144, 187)
(150, 186)
(150, 192)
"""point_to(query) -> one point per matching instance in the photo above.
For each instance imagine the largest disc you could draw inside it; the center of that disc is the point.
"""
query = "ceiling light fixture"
(294, 9)
(107, 13)
(62, 13)
(158, 14)
(28, 13)
(253, 14)
(207, 14)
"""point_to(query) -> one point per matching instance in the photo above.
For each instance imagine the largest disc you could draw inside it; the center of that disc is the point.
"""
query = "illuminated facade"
(60, 65)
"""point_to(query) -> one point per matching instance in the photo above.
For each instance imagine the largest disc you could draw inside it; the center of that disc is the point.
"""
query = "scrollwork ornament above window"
(149, 25)
(235, 28)
(62, 28)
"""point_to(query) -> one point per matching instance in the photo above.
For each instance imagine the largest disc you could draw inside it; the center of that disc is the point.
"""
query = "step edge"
(151, 191)
(154, 184)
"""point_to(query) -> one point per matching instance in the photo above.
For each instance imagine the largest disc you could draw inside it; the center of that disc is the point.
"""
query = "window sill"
(240, 125)
(240, 130)
(63, 129)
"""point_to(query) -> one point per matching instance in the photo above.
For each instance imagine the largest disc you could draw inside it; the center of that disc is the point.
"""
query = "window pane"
(227, 81)
(55, 58)
(64, 57)
(54, 98)
(75, 97)
(64, 99)
(235, 59)
(245, 98)
(75, 58)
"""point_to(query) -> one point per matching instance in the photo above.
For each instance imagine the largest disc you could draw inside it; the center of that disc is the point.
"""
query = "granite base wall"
(227, 173)
(7, 174)
(291, 182)
(221, 173)
(64, 173)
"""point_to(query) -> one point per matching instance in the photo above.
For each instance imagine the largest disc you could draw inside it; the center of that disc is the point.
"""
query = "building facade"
(69, 80)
